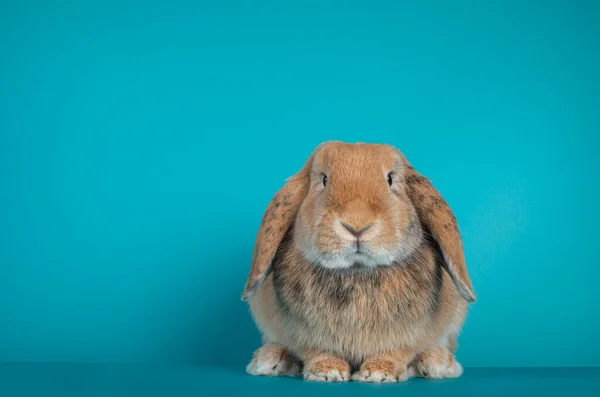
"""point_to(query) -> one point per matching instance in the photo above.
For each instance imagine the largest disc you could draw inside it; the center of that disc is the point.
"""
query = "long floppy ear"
(278, 217)
(438, 218)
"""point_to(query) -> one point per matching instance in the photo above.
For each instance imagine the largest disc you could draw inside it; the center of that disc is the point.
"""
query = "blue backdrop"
(140, 143)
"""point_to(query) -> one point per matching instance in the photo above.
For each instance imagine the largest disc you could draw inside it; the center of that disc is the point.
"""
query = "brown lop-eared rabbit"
(358, 272)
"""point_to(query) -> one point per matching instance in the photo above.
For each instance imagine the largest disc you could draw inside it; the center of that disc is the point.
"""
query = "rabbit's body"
(357, 313)
(358, 262)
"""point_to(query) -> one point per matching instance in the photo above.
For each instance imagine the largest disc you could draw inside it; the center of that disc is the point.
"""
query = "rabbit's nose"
(356, 232)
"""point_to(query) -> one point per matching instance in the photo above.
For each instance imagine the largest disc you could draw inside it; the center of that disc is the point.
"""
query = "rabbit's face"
(357, 212)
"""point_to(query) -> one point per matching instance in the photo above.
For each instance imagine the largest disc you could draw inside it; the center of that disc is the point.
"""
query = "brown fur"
(389, 364)
(437, 355)
(274, 360)
(326, 365)
(429, 363)
(436, 214)
(271, 352)
(384, 316)
(277, 219)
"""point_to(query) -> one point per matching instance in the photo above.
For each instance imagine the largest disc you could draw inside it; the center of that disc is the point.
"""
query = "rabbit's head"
(356, 211)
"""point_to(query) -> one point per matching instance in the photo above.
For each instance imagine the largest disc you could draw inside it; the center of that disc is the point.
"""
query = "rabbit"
(358, 272)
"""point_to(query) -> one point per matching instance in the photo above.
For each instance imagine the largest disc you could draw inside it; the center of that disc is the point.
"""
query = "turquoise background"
(140, 143)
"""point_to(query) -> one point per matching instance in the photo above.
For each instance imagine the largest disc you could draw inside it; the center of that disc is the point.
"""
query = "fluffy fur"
(358, 266)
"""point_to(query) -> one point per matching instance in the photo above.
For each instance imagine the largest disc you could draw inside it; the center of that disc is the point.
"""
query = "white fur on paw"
(270, 367)
(373, 377)
(440, 371)
(331, 376)
(455, 370)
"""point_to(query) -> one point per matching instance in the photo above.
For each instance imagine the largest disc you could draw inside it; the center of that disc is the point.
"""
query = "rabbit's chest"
(330, 301)
(356, 311)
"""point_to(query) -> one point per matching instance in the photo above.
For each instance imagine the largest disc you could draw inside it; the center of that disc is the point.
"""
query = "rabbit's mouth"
(361, 257)
(361, 249)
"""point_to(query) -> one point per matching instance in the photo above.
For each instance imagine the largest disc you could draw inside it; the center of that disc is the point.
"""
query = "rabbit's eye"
(389, 179)
(324, 180)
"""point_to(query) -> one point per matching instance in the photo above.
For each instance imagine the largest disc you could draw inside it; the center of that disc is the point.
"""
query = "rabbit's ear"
(276, 221)
(439, 221)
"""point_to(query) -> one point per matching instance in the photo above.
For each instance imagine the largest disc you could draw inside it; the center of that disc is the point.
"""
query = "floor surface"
(48, 380)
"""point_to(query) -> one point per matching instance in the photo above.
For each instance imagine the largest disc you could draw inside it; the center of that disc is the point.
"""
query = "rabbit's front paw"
(378, 371)
(273, 360)
(327, 370)
(437, 363)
